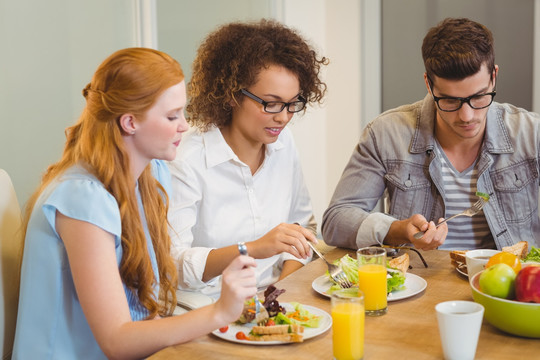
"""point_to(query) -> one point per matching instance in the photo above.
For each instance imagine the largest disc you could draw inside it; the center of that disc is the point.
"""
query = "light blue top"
(50, 321)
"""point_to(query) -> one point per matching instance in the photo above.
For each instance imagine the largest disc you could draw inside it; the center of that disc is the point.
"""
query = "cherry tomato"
(241, 336)
(224, 329)
(505, 258)
(270, 322)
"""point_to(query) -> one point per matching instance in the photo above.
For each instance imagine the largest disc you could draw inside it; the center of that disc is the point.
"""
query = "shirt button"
(250, 191)
(518, 182)
(408, 183)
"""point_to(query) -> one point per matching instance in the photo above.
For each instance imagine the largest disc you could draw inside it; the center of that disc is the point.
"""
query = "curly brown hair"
(456, 48)
(232, 56)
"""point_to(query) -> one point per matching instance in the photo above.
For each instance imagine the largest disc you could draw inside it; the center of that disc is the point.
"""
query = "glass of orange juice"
(372, 279)
(348, 315)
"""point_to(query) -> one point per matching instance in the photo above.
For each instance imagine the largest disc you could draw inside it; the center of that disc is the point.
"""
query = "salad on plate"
(396, 269)
(281, 323)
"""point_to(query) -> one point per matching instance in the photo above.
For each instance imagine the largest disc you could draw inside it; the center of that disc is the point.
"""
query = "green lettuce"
(533, 255)
(299, 316)
(396, 281)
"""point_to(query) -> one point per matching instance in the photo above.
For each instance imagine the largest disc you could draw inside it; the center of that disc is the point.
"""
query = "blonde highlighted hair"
(128, 81)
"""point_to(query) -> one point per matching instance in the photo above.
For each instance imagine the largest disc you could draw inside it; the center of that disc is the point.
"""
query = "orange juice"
(348, 331)
(372, 282)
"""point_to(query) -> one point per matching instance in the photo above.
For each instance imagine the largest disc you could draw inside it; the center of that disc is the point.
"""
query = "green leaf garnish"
(482, 195)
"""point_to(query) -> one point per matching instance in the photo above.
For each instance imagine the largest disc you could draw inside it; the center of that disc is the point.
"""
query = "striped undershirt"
(460, 193)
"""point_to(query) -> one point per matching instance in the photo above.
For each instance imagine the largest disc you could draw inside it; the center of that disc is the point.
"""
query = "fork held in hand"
(243, 251)
(473, 210)
(335, 272)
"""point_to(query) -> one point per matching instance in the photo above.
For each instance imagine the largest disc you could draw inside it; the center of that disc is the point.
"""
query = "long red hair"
(128, 81)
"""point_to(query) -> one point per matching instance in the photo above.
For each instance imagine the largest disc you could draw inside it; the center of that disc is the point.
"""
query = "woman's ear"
(127, 123)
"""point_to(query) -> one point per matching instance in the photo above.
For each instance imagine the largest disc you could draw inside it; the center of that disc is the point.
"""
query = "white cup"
(477, 260)
(459, 327)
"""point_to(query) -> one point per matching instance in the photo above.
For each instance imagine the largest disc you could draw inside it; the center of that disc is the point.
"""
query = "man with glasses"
(431, 158)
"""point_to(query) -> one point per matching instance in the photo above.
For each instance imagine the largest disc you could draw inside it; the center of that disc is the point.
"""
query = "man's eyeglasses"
(275, 107)
(394, 251)
(450, 103)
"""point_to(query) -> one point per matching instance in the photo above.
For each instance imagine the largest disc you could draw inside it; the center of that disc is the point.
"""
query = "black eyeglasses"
(450, 103)
(395, 251)
(275, 107)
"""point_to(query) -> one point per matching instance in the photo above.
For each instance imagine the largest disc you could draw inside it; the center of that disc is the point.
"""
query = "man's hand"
(402, 232)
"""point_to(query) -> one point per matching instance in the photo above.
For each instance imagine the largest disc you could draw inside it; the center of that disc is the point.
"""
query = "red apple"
(528, 284)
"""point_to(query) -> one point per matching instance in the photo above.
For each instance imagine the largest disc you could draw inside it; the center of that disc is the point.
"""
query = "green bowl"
(514, 317)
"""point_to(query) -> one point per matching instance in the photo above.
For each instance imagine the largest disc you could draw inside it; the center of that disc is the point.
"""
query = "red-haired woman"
(97, 252)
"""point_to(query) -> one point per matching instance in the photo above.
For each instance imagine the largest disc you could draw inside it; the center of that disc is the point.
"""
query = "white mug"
(459, 328)
(477, 260)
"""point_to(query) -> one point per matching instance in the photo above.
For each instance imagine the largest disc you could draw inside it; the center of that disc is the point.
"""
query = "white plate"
(324, 324)
(414, 284)
(462, 269)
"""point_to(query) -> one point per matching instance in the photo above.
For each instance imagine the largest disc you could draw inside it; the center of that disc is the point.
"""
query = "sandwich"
(520, 249)
(287, 333)
(457, 257)
(401, 263)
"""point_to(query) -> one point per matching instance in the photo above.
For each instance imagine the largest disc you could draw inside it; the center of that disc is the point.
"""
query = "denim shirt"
(395, 156)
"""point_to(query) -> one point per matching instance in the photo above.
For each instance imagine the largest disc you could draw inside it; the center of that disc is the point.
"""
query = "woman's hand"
(291, 238)
(238, 284)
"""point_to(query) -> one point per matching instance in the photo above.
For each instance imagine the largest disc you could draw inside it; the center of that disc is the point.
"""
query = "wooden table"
(408, 331)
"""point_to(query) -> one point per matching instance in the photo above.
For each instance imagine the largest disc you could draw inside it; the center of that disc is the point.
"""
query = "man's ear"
(495, 71)
(127, 123)
(427, 83)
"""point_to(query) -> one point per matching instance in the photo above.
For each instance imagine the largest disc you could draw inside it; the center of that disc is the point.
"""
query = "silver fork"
(243, 250)
(473, 210)
(335, 271)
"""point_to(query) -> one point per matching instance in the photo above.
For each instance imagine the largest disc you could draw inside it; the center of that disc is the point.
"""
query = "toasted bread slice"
(278, 329)
(289, 333)
(281, 337)
(458, 256)
(521, 249)
(401, 263)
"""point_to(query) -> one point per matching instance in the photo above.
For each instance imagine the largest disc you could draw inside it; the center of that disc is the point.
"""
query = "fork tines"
(342, 280)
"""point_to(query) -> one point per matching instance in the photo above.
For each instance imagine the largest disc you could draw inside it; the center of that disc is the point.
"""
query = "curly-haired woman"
(97, 251)
(238, 175)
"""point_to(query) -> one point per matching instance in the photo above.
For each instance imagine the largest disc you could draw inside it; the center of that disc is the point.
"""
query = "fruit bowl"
(514, 317)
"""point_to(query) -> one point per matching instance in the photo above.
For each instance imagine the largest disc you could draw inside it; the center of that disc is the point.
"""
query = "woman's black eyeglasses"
(275, 107)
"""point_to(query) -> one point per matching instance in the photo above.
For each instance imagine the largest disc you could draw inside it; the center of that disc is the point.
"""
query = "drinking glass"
(372, 279)
(348, 316)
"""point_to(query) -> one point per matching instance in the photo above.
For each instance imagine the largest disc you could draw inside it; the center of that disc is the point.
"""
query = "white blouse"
(216, 202)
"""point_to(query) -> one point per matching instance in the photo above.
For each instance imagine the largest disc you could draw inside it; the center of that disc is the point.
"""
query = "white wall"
(50, 49)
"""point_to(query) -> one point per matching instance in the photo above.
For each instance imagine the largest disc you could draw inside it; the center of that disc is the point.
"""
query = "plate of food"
(278, 323)
(401, 284)
(413, 285)
(520, 249)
